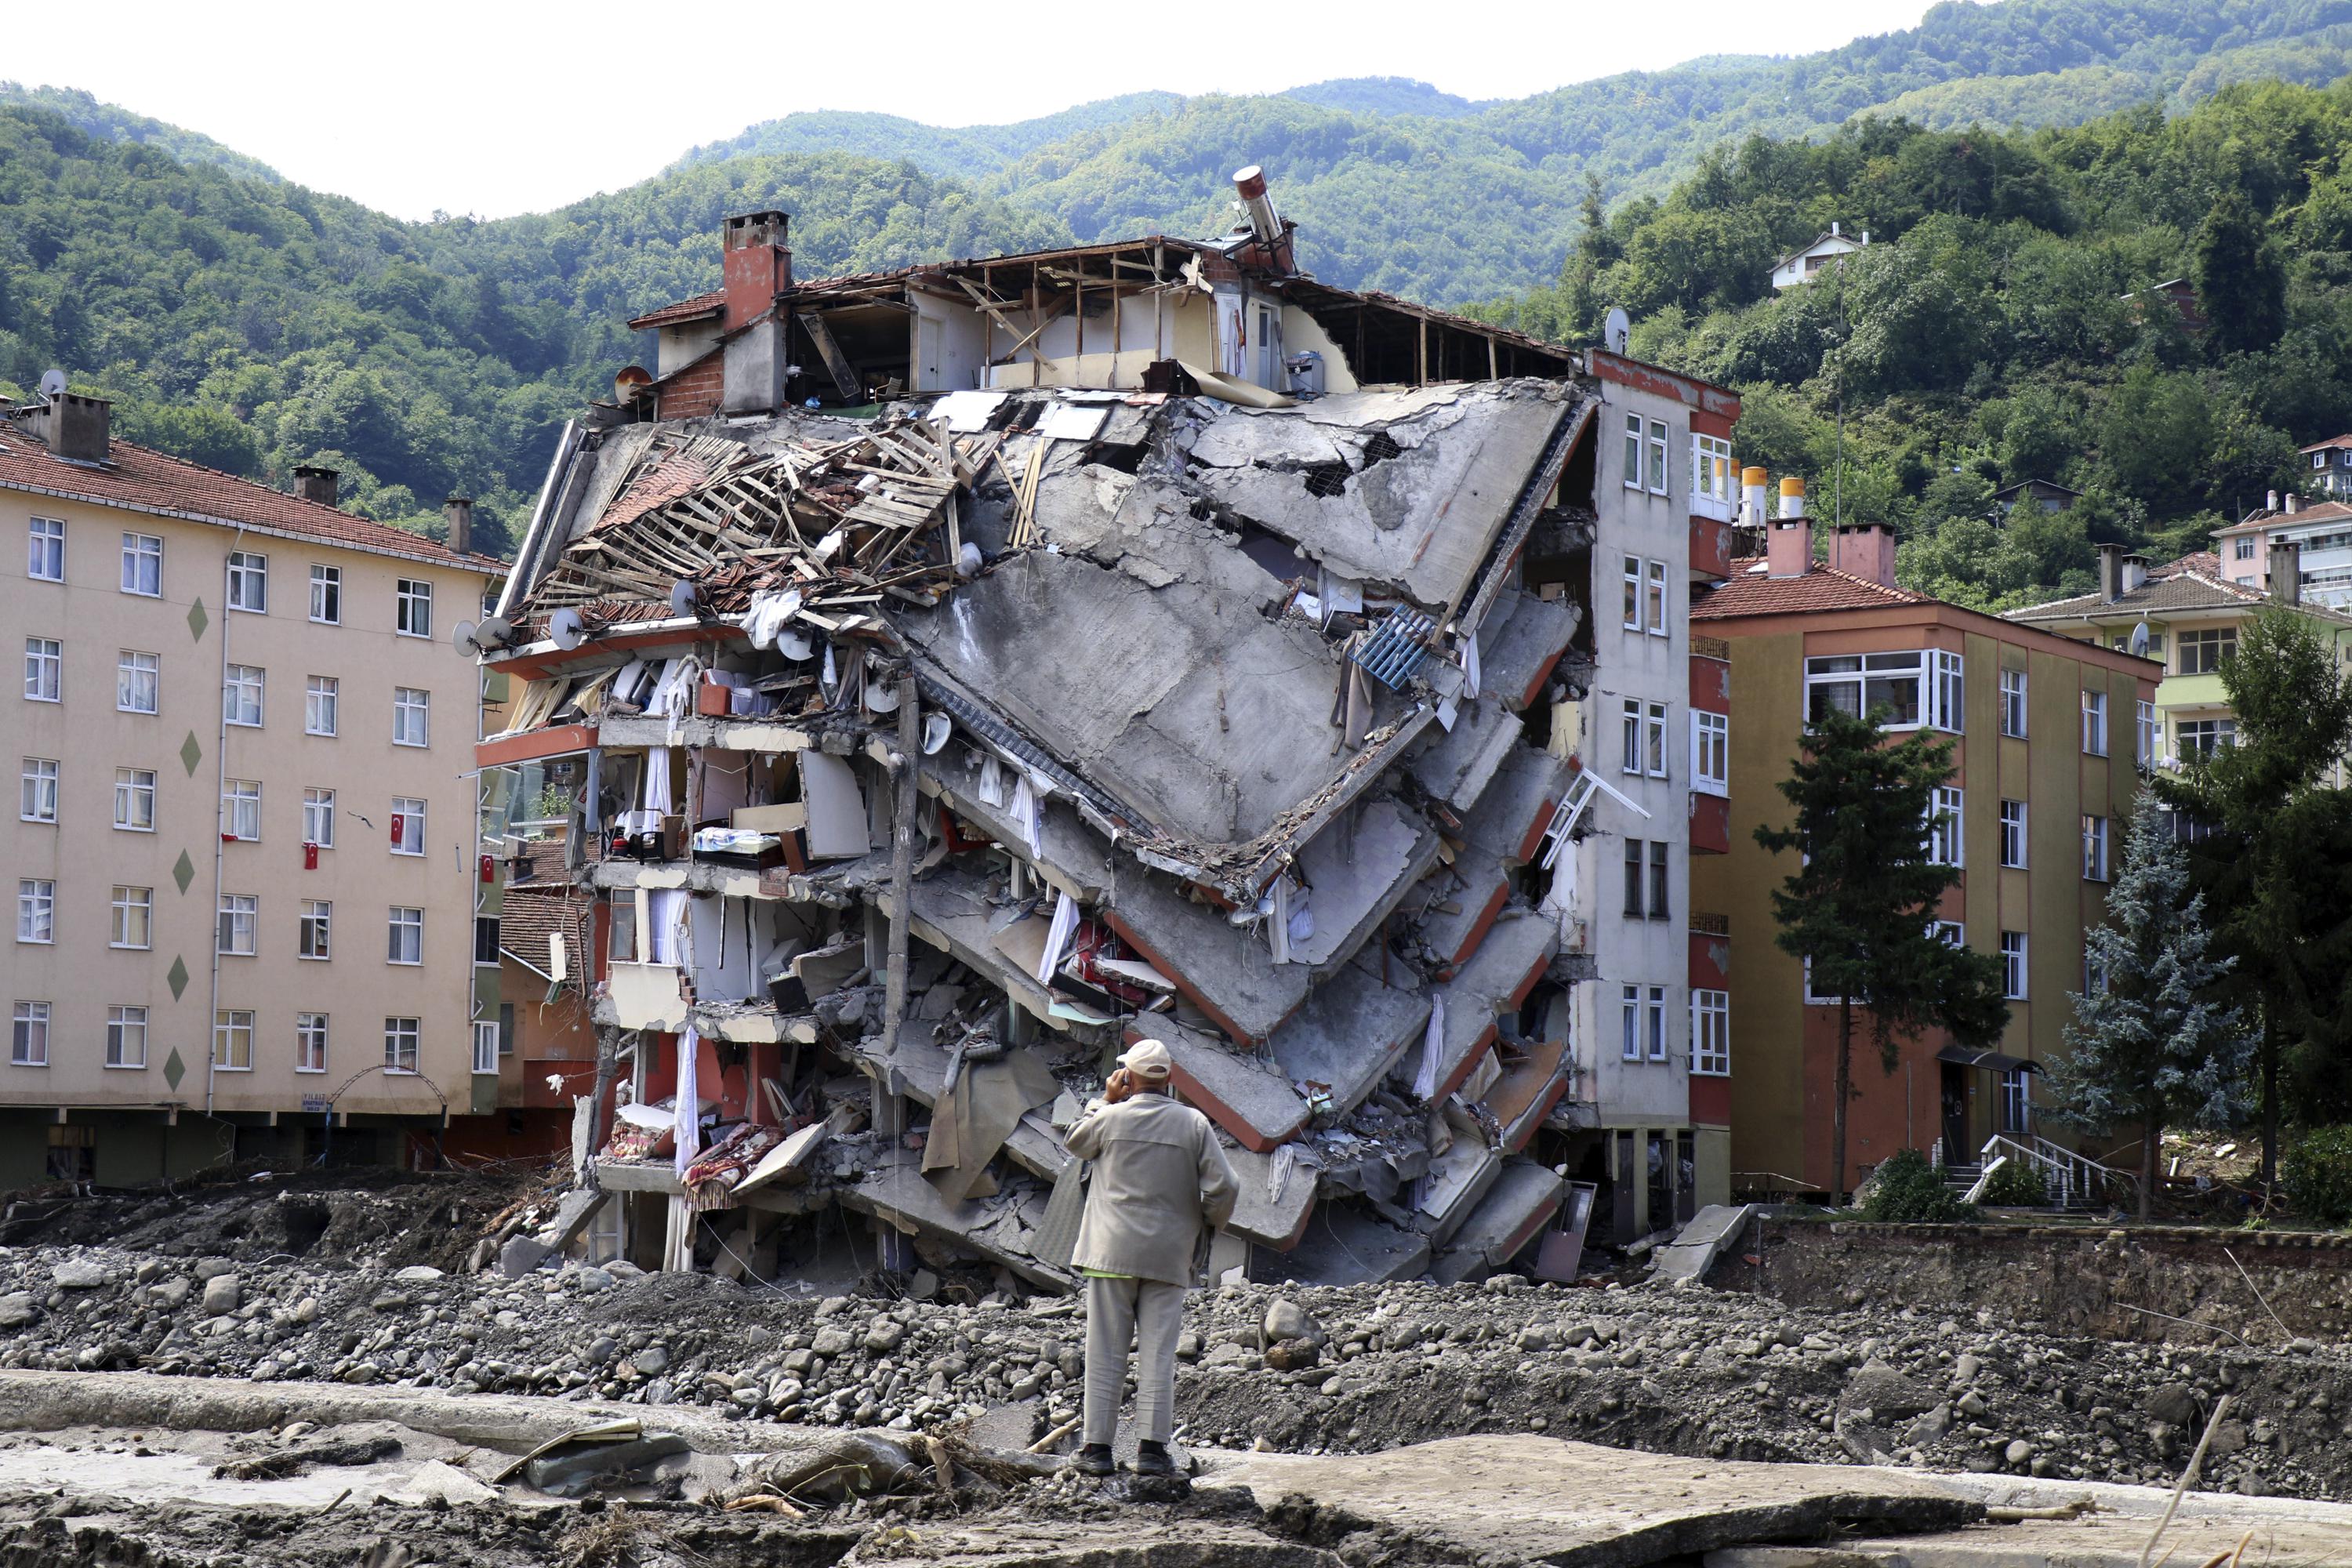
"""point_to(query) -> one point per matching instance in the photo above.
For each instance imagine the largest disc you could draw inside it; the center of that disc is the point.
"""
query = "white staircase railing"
(2069, 1176)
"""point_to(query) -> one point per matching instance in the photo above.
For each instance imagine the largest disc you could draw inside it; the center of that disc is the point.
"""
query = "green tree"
(1859, 907)
(2274, 829)
(2240, 280)
(2149, 1044)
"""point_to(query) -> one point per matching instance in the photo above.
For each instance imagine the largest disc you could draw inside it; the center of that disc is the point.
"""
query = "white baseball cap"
(1147, 1059)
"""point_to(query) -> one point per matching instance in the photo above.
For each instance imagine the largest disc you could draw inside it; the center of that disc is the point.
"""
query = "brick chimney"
(1789, 547)
(755, 264)
(2111, 572)
(78, 428)
(315, 484)
(1864, 550)
(2286, 572)
(460, 511)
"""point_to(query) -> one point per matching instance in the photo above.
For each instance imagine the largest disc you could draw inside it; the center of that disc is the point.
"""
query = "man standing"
(1161, 1184)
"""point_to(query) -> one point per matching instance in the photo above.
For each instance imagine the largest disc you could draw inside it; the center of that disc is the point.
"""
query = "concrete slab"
(1458, 1179)
(1510, 820)
(1521, 1202)
(1343, 1245)
(1461, 761)
(1499, 977)
(1577, 1505)
(1248, 1094)
(1073, 857)
(1699, 1243)
(996, 1229)
(1522, 640)
(1528, 1091)
(1351, 1032)
(1261, 1218)
(1226, 972)
(1465, 900)
(1358, 870)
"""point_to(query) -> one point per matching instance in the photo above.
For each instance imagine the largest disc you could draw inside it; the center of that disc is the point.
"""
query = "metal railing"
(2070, 1177)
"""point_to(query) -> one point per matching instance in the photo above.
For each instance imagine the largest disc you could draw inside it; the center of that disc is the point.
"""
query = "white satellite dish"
(2139, 640)
(1617, 331)
(566, 628)
(496, 631)
(685, 599)
(466, 641)
(53, 383)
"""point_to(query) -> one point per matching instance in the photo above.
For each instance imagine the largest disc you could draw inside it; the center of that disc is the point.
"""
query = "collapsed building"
(923, 683)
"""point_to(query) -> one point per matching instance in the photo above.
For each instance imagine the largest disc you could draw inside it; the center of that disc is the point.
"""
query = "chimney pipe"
(755, 264)
(460, 511)
(1788, 548)
(2294, 502)
(2270, 502)
(315, 484)
(1864, 550)
(2111, 572)
(78, 428)
(1262, 220)
(1793, 497)
(2286, 572)
(2134, 572)
(1752, 481)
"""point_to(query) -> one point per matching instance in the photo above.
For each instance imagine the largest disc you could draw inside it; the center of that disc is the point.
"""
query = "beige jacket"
(1158, 1177)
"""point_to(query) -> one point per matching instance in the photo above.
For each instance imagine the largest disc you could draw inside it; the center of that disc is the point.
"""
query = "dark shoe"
(1152, 1460)
(1095, 1459)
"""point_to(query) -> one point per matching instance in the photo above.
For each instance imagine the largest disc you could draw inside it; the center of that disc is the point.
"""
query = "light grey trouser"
(1141, 1311)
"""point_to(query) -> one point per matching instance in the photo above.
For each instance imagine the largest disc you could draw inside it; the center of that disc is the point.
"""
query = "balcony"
(1710, 823)
(1711, 548)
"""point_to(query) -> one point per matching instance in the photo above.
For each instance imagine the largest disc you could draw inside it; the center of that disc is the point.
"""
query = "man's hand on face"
(1122, 1084)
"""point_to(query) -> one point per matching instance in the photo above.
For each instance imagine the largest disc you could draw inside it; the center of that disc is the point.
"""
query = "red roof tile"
(143, 479)
(702, 305)
(1752, 593)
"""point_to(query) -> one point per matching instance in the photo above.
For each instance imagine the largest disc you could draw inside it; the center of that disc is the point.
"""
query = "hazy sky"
(494, 108)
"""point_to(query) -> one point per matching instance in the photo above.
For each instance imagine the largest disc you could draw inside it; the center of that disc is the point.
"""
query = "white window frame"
(1632, 579)
(245, 690)
(1629, 1044)
(1653, 1022)
(311, 1042)
(486, 1048)
(233, 1039)
(1951, 934)
(1812, 997)
(1632, 714)
(241, 810)
(1710, 752)
(2014, 720)
(45, 549)
(399, 1045)
(2014, 839)
(36, 910)
(407, 825)
(248, 581)
(1888, 667)
(143, 565)
(138, 675)
(2221, 642)
(126, 1038)
(412, 607)
(1946, 840)
(1635, 446)
(127, 905)
(1947, 692)
(1710, 1033)
(404, 932)
(1653, 741)
(28, 1035)
(2145, 734)
(1712, 479)
(238, 920)
(134, 800)
(2096, 862)
(36, 792)
(2014, 948)
(2015, 1086)
(319, 817)
(326, 599)
(1654, 605)
(2094, 724)
(315, 930)
(323, 696)
(412, 716)
(1661, 442)
(45, 670)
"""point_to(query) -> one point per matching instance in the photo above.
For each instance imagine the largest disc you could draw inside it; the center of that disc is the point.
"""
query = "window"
(1711, 1033)
(506, 1029)
(318, 919)
(1634, 883)
(133, 918)
(327, 597)
(621, 946)
(407, 825)
(1633, 593)
(2203, 737)
(1658, 879)
(2094, 848)
(1654, 1021)
(241, 809)
(486, 1046)
(399, 1045)
(44, 559)
(319, 817)
(407, 937)
(1711, 477)
(2094, 974)
(1944, 807)
(126, 1037)
(1632, 736)
(1653, 741)
(318, 703)
(2014, 704)
(240, 916)
(1949, 709)
(485, 939)
(241, 695)
(45, 668)
(28, 1038)
(1632, 451)
(1951, 934)
(233, 1039)
(309, 1042)
(1711, 753)
(2201, 653)
(2013, 965)
(2094, 724)
(248, 581)
(138, 681)
(143, 565)
(2245, 545)
(2016, 1101)
(2143, 741)
(1630, 1025)
(2012, 834)
(1860, 683)
(1813, 997)
(412, 613)
(409, 717)
(38, 799)
(1655, 601)
(1657, 475)
(36, 910)
(134, 800)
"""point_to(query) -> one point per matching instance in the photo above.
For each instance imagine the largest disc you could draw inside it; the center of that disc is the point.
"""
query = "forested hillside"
(1991, 333)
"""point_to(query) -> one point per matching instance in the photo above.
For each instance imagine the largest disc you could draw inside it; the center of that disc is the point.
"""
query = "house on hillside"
(1799, 265)
(2177, 293)
(2048, 495)
(2329, 466)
